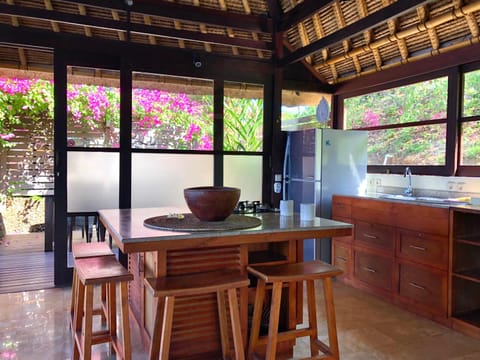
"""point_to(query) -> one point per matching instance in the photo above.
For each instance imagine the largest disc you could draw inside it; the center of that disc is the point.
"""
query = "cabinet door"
(342, 258)
(375, 235)
(426, 287)
(373, 269)
(423, 248)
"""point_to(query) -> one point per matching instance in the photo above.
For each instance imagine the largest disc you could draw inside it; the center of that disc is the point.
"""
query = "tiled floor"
(35, 325)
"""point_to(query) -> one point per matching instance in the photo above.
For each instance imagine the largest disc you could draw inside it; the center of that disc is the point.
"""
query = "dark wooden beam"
(394, 10)
(413, 69)
(174, 61)
(301, 12)
(118, 25)
(196, 14)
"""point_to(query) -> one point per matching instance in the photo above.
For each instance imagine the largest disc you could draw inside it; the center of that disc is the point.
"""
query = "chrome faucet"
(408, 190)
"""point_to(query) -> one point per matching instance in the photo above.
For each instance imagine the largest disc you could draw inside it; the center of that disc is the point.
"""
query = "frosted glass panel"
(244, 172)
(159, 179)
(92, 181)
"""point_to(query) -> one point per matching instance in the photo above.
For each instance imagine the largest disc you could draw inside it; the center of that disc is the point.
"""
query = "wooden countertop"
(131, 235)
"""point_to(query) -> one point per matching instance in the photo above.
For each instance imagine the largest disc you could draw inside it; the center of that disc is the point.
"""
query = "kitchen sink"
(425, 199)
(398, 197)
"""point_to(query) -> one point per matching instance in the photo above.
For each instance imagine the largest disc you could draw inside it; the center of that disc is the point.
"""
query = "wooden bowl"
(211, 203)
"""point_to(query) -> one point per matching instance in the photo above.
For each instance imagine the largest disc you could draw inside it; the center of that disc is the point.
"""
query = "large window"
(243, 117)
(470, 125)
(93, 108)
(305, 110)
(407, 125)
(172, 113)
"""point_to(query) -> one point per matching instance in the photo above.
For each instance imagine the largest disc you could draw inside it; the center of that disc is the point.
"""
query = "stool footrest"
(287, 335)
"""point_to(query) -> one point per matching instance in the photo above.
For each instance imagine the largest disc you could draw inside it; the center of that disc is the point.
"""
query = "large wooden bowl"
(211, 203)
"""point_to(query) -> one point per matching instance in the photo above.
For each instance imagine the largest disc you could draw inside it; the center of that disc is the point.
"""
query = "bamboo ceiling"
(335, 40)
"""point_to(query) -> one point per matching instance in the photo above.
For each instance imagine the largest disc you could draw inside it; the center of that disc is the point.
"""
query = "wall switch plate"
(277, 187)
(451, 185)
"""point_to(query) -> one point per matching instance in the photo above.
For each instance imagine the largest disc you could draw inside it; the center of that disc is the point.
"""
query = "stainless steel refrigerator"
(319, 163)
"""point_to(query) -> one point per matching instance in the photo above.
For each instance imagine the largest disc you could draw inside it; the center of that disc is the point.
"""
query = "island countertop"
(153, 252)
(126, 226)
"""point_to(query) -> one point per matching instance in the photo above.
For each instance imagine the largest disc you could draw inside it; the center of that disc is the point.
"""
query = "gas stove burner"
(251, 207)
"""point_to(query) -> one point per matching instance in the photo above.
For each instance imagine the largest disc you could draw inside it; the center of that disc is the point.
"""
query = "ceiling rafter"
(203, 29)
(49, 7)
(393, 10)
(248, 11)
(301, 12)
(190, 13)
(412, 30)
(58, 17)
(116, 17)
(230, 31)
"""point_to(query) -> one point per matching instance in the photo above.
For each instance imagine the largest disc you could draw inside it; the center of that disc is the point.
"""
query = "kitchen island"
(160, 252)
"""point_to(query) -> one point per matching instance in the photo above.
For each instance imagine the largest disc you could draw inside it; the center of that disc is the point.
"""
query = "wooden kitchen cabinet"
(465, 270)
(399, 251)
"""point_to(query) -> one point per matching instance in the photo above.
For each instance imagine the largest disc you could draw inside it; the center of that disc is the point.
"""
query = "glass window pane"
(159, 179)
(426, 100)
(416, 145)
(244, 172)
(93, 108)
(471, 97)
(171, 113)
(470, 145)
(243, 117)
(92, 181)
(302, 110)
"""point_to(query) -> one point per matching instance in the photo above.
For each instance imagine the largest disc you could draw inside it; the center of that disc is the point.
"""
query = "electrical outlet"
(451, 185)
(460, 186)
(371, 182)
(378, 182)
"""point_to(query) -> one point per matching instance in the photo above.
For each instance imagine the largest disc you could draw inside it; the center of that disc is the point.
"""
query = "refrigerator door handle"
(286, 169)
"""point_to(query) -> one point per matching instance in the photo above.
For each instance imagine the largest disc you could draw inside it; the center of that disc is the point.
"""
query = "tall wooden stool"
(82, 251)
(277, 275)
(167, 288)
(97, 271)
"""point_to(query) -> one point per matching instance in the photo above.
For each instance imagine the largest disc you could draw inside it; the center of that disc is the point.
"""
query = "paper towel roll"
(286, 207)
(307, 212)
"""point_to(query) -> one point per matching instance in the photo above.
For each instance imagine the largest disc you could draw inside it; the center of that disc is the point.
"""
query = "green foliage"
(243, 122)
(471, 99)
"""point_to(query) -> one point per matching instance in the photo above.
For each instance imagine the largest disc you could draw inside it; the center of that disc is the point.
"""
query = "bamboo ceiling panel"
(337, 39)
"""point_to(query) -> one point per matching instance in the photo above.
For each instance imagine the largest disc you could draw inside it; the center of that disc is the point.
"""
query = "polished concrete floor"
(35, 325)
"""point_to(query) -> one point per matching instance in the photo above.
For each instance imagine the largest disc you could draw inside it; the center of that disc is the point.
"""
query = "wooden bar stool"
(97, 271)
(277, 275)
(168, 288)
(82, 251)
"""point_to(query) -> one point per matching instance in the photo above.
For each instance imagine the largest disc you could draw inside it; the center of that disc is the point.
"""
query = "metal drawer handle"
(420, 248)
(417, 286)
(366, 268)
(340, 258)
(370, 236)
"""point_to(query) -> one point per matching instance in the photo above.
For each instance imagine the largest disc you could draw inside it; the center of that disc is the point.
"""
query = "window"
(407, 125)
(93, 108)
(171, 113)
(305, 110)
(470, 120)
(243, 117)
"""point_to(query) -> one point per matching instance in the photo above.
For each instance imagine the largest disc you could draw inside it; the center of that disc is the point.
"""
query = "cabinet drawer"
(341, 210)
(375, 235)
(342, 258)
(423, 286)
(347, 238)
(423, 248)
(374, 269)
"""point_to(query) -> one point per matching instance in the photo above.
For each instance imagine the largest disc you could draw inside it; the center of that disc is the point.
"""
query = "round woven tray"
(192, 224)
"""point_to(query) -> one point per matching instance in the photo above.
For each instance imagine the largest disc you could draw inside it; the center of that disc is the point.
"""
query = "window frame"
(466, 170)
(453, 109)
